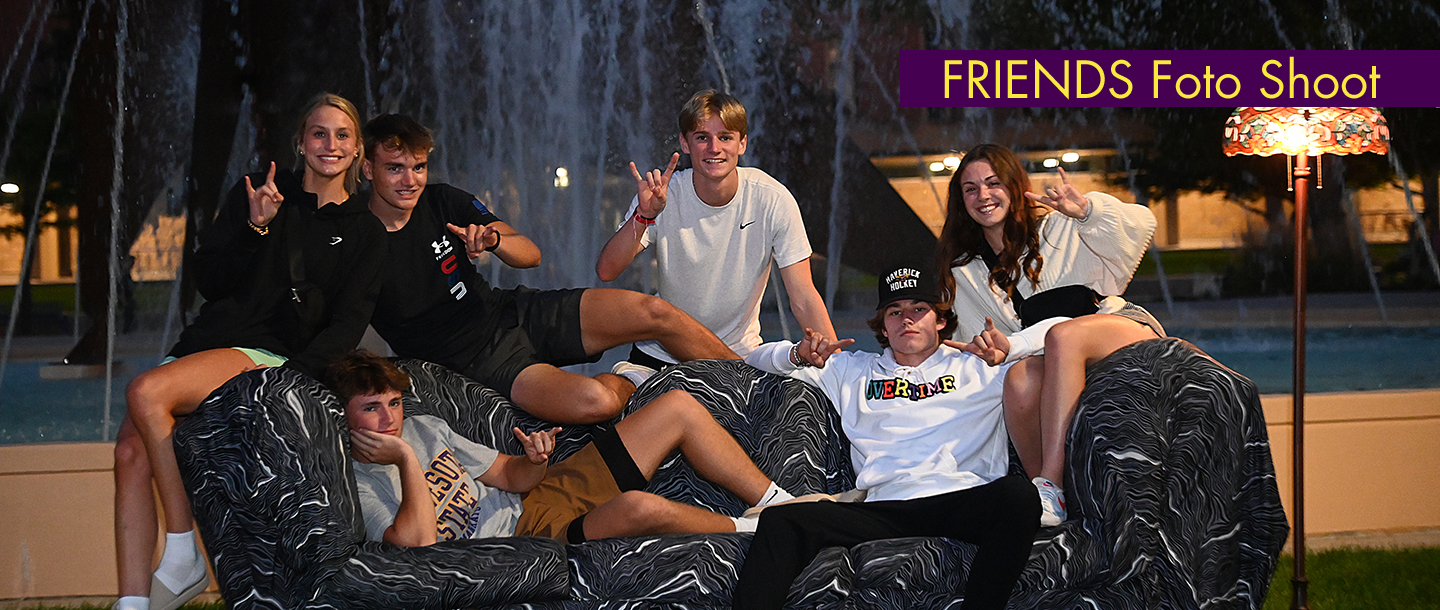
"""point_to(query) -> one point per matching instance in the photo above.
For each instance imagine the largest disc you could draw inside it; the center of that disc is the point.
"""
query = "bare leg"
(1022, 411)
(563, 397)
(638, 513)
(135, 518)
(676, 421)
(611, 317)
(156, 398)
(621, 386)
(1071, 346)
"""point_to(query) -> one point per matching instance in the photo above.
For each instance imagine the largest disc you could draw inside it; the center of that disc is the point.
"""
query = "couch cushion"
(786, 426)
(1170, 488)
(265, 460)
(676, 569)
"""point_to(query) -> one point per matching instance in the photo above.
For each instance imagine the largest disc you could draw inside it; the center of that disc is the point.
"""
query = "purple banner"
(1169, 78)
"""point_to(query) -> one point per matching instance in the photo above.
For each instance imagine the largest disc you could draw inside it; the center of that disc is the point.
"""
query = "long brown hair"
(962, 238)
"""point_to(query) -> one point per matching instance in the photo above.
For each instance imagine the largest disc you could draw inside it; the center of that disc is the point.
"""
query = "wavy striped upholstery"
(267, 468)
(1170, 486)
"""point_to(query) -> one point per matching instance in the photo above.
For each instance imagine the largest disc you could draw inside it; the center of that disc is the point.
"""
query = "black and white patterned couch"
(1172, 497)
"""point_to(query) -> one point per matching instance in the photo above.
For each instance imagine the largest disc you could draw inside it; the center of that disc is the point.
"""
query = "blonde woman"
(288, 271)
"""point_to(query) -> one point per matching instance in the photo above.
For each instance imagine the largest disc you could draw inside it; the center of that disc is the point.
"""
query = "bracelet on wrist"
(258, 229)
(795, 357)
(643, 220)
(497, 244)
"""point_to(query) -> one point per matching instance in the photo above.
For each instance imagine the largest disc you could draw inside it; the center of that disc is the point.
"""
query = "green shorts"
(258, 356)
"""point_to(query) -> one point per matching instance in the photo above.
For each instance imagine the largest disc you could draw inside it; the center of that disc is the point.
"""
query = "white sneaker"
(637, 374)
(1052, 502)
(163, 598)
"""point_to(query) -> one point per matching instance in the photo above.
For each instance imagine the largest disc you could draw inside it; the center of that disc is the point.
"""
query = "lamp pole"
(1302, 132)
(1298, 582)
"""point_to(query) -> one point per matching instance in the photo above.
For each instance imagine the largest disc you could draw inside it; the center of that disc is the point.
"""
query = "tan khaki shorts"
(570, 489)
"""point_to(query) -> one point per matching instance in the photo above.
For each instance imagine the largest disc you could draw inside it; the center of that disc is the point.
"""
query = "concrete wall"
(1373, 463)
(1372, 459)
(57, 535)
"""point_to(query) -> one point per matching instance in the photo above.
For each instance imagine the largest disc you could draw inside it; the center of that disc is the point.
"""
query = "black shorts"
(542, 328)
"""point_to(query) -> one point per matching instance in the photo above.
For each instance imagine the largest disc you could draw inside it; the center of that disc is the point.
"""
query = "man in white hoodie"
(928, 443)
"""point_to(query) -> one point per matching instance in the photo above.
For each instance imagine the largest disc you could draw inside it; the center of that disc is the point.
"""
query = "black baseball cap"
(908, 281)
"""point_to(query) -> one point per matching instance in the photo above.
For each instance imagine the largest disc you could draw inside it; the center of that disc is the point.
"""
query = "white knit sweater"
(1101, 252)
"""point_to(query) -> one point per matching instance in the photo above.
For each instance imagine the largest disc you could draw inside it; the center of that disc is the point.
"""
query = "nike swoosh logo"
(746, 224)
(335, 240)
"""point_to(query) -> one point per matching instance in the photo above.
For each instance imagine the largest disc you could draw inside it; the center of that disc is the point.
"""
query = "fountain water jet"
(122, 35)
(28, 255)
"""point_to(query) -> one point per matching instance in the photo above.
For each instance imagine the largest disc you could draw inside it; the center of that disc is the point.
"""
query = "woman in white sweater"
(1019, 258)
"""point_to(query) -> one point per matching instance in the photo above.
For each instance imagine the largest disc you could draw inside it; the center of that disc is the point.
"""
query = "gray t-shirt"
(464, 507)
(715, 261)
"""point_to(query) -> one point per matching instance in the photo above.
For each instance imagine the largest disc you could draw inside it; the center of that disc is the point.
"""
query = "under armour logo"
(440, 246)
(335, 240)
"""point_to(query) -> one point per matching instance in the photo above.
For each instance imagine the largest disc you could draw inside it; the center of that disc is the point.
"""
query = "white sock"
(181, 564)
(745, 524)
(774, 494)
(131, 602)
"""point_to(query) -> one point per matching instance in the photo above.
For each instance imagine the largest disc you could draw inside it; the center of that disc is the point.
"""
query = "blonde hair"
(352, 175)
(710, 103)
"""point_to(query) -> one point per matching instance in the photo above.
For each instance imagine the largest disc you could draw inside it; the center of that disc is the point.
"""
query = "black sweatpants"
(1000, 517)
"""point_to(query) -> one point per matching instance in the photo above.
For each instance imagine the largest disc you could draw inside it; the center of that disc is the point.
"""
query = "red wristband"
(643, 220)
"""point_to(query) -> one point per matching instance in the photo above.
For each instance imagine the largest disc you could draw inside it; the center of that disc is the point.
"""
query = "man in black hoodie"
(435, 306)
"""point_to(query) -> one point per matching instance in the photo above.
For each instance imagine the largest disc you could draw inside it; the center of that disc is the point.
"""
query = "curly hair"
(962, 238)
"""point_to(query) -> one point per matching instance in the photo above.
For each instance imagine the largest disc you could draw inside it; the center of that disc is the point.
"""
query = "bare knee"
(655, 312)
(1065, 338)
(594, 403)
(146, 398)
(131, 461)
(1022, 385)
(679, 404)
(645, 510)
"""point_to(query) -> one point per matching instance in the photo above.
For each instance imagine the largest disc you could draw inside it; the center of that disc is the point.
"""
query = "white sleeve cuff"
(1031, 341)
(773, 357)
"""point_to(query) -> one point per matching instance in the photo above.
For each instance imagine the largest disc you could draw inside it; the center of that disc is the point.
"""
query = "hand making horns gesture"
(653, 187)
(538, 444)
(816, 348)
(476, 238)
(1065, 198)
(990, 345)
(264, 201)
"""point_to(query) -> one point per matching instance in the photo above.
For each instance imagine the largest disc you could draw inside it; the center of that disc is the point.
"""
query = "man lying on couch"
(420, 482)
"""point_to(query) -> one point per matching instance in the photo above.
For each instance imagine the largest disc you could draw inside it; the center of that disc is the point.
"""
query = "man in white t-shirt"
(721, 227)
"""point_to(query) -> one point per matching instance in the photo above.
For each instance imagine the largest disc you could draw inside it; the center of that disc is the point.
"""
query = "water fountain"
(517, 93)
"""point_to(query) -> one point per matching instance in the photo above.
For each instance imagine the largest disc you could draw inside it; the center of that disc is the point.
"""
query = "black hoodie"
(246, 281)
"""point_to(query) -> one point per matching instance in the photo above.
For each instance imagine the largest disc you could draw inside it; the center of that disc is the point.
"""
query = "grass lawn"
(1342, 579)
(1363, 579)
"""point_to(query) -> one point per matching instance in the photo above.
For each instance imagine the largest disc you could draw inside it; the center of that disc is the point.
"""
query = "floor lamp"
(1301, 133)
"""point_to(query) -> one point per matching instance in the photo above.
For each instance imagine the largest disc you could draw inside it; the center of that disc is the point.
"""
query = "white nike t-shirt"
(715, 261)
